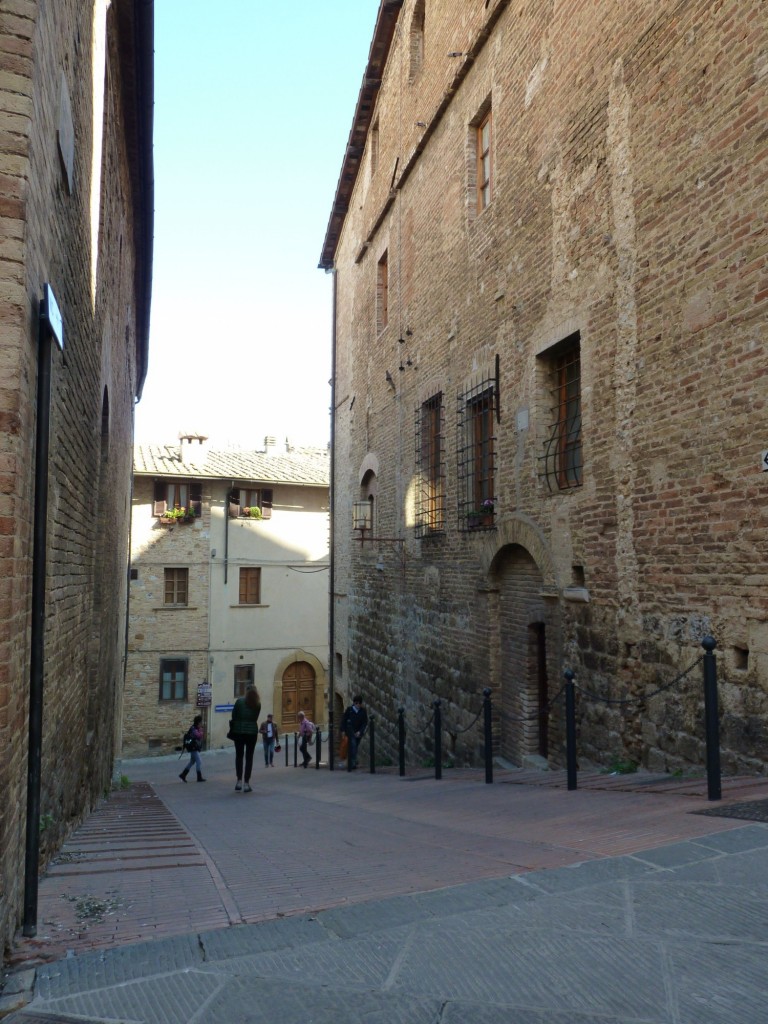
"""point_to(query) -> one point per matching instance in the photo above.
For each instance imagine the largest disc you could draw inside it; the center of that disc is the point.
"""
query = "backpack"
(189, 741)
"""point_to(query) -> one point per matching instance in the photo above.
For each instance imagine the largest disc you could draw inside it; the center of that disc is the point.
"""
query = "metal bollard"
(438, 741)
(401, 738)
(295, 750)
(372, 744)
(487, 735)
(318, 748)
(331, 745)
(711, 718)
(285, 746)
(570, 728)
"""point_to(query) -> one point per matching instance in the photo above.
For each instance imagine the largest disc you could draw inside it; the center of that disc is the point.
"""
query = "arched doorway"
(525, 657)
(298, 694)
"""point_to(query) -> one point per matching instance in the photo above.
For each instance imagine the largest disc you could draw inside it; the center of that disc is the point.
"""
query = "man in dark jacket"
(354, 723)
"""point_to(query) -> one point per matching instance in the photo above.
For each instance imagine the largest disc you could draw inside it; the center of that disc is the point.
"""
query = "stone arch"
(321, 684)
(524, 532)
(370, 464)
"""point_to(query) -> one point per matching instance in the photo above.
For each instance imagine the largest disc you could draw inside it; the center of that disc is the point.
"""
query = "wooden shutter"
(196, 497)
(234, 504)
(159, 505)
(266, 503)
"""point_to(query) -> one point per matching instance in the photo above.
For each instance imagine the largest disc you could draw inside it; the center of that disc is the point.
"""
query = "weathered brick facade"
(75, 212)
(621, 234)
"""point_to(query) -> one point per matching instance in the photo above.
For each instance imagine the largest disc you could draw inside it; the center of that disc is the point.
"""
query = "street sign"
(224, 707)
(204, 695)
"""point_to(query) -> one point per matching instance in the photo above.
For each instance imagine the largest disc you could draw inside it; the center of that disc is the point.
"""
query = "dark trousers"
(247, 745)
(303, 748)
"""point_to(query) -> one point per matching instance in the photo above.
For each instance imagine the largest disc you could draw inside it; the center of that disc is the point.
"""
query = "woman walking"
(195, 745)
(245, 732)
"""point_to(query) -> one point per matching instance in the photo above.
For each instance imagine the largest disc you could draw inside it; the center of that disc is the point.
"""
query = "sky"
(253, 106)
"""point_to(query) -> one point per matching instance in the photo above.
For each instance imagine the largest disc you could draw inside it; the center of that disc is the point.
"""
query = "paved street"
(378, 898)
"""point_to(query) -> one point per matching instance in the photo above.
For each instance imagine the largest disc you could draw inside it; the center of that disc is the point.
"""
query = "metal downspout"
(331, 556)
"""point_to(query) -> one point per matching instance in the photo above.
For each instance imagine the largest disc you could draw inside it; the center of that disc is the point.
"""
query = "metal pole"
(438, 741)
(295, 750)
(401, 738)
(570, 728)
(372, 743)
(331, 750)
(487, 735)
(318, 748)
(711, 718)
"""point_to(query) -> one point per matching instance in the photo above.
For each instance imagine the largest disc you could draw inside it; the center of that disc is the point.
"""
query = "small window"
(250, 586)
(477, 456)
(563, 461)
(430, 463)
(244, 677)
(382, 292)
(177, 494)
(251, 503)
(173, 679)
(176, 586)
(484, 143)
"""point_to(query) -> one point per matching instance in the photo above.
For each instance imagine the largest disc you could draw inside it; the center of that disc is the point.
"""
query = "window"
(417, 40)
(563, 462)
(250, 586)
(251, 503)
(176, 586)
(244, 677)
(484, 155)
(171, 494)
(382, 292)
(430, 461)
(173, 679)
(477, 455)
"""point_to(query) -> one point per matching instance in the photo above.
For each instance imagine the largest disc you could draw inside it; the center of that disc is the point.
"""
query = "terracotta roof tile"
(308, 466)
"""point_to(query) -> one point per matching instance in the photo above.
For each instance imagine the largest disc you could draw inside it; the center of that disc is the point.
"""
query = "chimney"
(270, 445)
(193, 449)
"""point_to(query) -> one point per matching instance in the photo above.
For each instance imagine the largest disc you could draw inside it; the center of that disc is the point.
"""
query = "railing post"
(487, 735)
(570, 728)
(285, 745)
(711, 718)
(401, 738)
(318, 748)
(331, 747)
(438, 741)
(295, 750)
(372, 743)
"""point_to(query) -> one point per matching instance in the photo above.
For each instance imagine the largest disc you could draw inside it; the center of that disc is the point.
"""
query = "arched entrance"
(298, 694)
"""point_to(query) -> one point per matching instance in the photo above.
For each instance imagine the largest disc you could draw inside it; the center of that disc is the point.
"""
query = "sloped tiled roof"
(308, 466)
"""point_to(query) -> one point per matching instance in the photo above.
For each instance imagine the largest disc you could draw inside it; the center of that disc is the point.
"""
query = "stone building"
(550, 385)
(76, 212)
(229, 585)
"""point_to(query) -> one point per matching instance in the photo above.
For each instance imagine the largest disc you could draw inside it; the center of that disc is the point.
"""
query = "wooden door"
(298, 694)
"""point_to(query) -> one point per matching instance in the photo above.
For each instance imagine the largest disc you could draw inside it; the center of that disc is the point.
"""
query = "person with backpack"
(244, 731)
(193, 743)
(306, 732)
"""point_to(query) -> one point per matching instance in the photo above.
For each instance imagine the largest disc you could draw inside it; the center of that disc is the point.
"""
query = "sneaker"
(247, 788)
(238, 786)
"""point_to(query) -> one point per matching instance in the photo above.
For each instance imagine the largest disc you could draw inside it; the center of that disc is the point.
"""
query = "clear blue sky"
(253, 106)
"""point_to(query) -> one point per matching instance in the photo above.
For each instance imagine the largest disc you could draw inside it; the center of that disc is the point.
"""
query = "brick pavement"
(164, 859)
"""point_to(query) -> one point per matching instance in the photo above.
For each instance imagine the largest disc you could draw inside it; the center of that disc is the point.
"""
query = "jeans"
(269, 750)
(247, 745)
(194, 759)
(354, 743)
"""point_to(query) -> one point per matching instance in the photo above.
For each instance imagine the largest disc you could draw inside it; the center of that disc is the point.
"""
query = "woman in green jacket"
(245, 731)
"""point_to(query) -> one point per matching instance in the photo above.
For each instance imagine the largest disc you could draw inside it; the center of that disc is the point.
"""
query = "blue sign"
(224, 707)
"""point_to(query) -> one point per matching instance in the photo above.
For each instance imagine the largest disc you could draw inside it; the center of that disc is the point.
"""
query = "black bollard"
(570, 728)
(318, 748)
(711, 718)
(438, 741)
(487, 735)
(331, 749)
(285, 745)
(372, 744)
(295, 750)
(401, 738)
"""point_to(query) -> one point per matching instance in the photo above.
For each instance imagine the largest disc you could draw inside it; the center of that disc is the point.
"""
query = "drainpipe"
(48, 322)
(331, 557)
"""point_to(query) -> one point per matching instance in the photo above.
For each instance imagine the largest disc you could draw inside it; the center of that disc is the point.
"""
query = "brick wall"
(628, 205)
(48, 233)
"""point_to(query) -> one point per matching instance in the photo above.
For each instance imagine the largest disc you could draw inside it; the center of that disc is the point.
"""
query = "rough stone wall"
(47, 236)
(629, 204)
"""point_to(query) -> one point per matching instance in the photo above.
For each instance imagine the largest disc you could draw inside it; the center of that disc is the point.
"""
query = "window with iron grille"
(477, 456)
(173, 679)
(563, 459)
(430, 465)
(250, 586)
(243, 678)
(176, 586)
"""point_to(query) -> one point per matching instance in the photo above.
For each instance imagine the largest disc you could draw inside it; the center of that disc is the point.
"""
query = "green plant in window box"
(252, 512)
(482, 516)
(178, 515)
